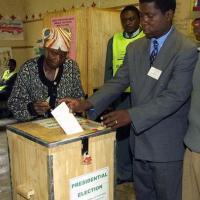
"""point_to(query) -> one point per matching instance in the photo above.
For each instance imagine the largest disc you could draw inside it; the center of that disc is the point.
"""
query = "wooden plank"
(71, 155)
(28, 166)
(102, 24)
(94, 28)
(47, 131)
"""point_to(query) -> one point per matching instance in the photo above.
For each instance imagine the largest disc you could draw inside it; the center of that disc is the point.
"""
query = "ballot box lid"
(47, 132)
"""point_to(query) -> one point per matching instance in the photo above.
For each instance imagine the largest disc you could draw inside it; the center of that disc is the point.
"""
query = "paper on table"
(66, 119)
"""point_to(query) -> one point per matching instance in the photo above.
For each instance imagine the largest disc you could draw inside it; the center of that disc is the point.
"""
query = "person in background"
(159, 69)
(7, 80)
(44, 80)
(116, 49)
(197, 3)
(191, 169)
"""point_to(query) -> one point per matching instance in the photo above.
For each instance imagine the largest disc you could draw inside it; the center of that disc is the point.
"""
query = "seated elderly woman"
(45, 81)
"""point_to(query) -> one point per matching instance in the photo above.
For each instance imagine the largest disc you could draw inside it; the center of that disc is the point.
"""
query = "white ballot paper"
(66, 120)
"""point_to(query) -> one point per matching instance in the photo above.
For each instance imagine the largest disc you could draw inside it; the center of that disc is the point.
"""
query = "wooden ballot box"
(47, 164)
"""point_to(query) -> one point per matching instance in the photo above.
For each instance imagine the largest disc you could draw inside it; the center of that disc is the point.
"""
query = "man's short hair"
(163, 5)
(13, 62)
(130, 8)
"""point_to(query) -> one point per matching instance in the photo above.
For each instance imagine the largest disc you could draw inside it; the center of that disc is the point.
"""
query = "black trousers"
(123, 151)
(157, 181)
(123, 155)
(4, 95)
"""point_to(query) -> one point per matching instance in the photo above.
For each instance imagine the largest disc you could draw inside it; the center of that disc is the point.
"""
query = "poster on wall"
(5, 55)
(11, 29)
(70, 23)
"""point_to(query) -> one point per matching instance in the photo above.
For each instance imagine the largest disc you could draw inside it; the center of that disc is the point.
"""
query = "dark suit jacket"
(159, 107)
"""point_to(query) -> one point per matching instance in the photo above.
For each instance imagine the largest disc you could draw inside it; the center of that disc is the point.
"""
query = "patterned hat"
(57, 38)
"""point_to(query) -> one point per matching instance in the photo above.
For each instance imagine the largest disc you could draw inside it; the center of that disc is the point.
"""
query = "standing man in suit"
(159, 69)
(116, 49)
(191, 169)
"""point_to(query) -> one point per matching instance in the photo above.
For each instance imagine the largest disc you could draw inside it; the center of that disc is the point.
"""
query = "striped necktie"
(154, 52)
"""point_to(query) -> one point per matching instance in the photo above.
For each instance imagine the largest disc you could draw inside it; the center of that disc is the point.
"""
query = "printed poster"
(70, 23)
(91, 186)
(11, 29)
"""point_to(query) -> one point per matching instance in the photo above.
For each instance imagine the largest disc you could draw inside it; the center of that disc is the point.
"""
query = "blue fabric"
(154, 52)
(156, 44)
(160, 41)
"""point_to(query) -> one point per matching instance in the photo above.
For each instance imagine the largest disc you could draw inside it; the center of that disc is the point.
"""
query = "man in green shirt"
(7, 80)
(116, 49)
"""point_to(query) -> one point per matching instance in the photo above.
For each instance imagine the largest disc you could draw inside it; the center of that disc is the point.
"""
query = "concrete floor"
(125, 191)
(5, 189)
(122, 192)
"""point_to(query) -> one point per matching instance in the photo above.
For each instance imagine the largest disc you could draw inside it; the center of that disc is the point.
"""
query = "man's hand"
(76, 105)
(41, 107)
(116, 119)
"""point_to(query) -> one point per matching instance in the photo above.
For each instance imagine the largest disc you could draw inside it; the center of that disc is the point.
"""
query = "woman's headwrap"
(57, 38)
